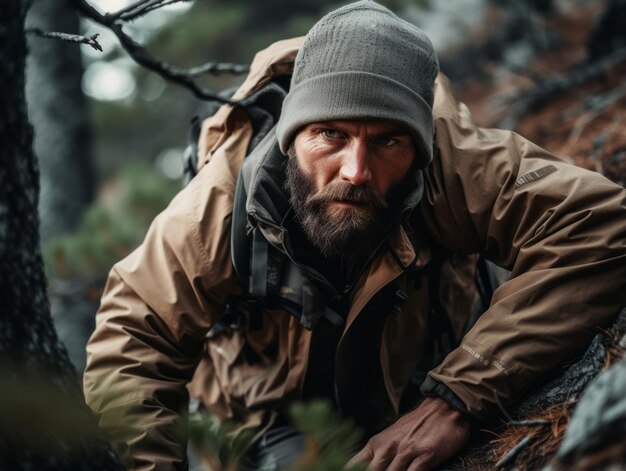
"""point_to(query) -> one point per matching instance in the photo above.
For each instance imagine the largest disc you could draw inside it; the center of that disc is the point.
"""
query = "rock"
(596, 436)
(569, 384)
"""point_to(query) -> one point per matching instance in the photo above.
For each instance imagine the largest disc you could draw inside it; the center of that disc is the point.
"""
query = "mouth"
(349, 204)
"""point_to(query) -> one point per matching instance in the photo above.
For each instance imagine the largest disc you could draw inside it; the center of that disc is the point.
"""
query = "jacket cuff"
(433, 388)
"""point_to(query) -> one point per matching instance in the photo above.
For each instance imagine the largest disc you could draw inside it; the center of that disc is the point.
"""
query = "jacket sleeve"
(560, 229)
(158, 304)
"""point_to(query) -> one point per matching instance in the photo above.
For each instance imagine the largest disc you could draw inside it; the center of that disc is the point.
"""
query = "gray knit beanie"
(362, 61)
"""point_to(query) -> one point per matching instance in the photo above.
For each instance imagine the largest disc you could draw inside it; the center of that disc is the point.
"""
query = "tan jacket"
(561, 231)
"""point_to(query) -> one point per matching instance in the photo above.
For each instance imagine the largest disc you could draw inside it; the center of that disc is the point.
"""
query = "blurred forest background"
(109, 134)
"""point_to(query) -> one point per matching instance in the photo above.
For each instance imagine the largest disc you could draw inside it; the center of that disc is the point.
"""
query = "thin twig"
(529, 423)
(143, 8)
(501, 407)
(518, 423)
(183, 77)
(74, 38)
(130, 9)
(217, 68)
(511, 455)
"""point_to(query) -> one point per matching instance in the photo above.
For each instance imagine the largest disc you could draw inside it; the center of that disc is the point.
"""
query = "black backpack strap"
(258, 281)
(263, 108)
(239, 238)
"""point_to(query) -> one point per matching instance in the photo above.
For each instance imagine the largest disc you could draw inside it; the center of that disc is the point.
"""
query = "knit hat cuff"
(357, 95)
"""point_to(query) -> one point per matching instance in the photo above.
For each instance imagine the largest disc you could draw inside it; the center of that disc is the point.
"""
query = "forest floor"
(571, 107)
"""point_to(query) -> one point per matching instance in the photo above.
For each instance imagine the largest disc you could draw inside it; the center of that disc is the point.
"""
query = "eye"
(330, 133)
(384, 141)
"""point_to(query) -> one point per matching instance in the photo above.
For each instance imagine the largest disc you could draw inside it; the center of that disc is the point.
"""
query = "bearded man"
(326, 262)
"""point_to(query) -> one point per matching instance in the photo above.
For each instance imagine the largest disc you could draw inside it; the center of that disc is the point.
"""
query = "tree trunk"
(44, 423)
(58, 112)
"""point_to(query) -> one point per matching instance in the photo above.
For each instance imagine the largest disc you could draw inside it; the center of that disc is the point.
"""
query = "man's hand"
(420, 440)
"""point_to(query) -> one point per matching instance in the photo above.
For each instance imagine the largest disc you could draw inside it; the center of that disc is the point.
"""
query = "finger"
(417, 466)
(401, 462)
(382, 458)
(423, 462)
(362, 457)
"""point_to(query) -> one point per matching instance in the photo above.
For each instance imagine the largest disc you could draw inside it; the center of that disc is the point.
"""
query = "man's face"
(341, 175)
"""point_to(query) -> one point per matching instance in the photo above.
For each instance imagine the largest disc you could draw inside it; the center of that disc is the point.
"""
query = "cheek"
(401, 171)
(391, 172)
(388, 173)
(317, 168)
(321, 172)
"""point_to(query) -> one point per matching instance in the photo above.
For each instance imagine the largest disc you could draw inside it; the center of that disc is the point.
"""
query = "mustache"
(343, 191)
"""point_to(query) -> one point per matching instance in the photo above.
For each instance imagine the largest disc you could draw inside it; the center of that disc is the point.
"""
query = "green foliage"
(220, 444)
(110, 231)
(144, 194)
(330, 440)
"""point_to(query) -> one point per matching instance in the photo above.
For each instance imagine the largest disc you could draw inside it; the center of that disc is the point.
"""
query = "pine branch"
(74, 38)
(183, 77)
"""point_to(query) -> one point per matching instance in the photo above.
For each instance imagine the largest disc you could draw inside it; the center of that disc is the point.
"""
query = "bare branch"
(217, 68)
(130, 9)
(74, 38)
(183, 77)
(171, 73)
(150, 6)
(140, 8)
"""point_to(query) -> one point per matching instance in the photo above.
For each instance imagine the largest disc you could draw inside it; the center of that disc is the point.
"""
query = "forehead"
(370, 126)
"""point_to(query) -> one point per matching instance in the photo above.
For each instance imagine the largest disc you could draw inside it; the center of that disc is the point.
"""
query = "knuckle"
(375, 442)
(428, 454)
(382, 447)
(407, 449)
(368, 450)
(425, 453)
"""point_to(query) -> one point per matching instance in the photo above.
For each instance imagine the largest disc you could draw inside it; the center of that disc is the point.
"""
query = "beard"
(334, 230)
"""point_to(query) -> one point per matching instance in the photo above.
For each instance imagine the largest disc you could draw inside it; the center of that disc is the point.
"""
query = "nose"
(355, 165)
